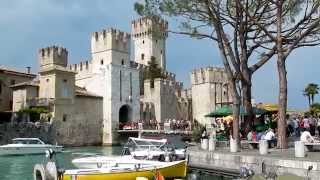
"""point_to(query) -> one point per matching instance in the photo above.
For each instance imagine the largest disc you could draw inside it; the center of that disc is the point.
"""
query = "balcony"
(40, 102)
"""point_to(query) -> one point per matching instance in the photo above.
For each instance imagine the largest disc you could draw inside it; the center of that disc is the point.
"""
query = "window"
(156, 41)
(161, 52)
(142, 41)
(12, 82)
(101, 61)
(65, 80)
(142, 56)
(122, 61)
(64, 118)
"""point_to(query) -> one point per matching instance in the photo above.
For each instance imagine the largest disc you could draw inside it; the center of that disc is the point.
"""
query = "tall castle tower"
(110, 46)
(149, 38)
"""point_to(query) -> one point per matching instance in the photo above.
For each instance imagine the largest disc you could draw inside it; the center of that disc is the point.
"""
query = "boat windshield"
(142, 144)
(26, 141)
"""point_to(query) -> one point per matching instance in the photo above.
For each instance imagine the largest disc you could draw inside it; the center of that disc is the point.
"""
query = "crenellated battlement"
(208, 75)
(108, 39)
(165, 85)
(170, 76)
(115, 33)
(83, 66)
(149, 25)
(53, 55)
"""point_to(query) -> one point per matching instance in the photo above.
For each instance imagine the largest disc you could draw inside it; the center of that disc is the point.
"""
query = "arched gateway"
(125, 115)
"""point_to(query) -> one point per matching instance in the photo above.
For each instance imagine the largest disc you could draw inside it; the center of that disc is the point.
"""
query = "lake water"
(21, 167)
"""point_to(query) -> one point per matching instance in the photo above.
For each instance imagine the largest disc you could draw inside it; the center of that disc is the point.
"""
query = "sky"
(27, 25)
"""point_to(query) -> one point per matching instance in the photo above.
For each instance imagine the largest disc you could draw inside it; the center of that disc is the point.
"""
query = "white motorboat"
(22, 146)
(136, 151)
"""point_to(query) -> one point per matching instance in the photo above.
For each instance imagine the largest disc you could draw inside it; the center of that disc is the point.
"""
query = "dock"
(277, 162)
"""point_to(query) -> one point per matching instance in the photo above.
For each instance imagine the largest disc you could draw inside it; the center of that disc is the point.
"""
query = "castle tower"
(56, 81)
(52, 56)
(149, 38)
(110, 46)
(210, 90)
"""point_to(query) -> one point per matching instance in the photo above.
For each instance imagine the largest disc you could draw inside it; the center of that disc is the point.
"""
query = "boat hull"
(4, 151)
(177, 169)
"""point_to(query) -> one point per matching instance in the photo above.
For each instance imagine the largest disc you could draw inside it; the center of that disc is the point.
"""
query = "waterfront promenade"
(223, 162)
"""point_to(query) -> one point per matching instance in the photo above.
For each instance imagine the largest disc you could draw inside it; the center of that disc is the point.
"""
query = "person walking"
(312, 123)
(306, 123)
(318, 125)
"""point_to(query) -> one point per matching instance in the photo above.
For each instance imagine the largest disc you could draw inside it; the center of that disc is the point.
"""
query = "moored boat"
(24, 146)
(136, 151)
(176, 169)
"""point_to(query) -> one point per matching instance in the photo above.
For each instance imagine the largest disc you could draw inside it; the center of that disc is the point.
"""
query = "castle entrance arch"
(125, 115)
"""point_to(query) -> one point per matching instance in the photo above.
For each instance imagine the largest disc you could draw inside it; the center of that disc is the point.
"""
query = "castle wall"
(210, 90)
(79, 123)
(163, 97)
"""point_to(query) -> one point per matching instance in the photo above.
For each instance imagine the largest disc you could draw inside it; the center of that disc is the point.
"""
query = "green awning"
(227, 110)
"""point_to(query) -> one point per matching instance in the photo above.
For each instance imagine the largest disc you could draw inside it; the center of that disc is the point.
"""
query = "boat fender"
(51, 170)
(39, 172)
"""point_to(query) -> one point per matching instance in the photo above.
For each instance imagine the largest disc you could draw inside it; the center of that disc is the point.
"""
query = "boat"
(136, 151)
(145, 168)
(24, 146)
(175, 169)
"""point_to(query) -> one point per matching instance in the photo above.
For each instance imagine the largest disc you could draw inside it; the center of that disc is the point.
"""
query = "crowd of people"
(154, 124)
(298, 124)
(306, 128)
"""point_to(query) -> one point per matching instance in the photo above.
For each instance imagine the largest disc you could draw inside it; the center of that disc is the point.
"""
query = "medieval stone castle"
(87, 101)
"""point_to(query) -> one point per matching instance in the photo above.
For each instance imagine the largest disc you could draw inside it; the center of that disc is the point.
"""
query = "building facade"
(9, 77)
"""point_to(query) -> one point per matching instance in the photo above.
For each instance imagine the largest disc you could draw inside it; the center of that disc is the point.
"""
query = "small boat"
(175, 169)
(136, 151)
(146, 169)
(23, 146)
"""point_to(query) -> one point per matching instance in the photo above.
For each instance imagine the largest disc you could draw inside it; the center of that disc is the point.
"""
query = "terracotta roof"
(28, 83)
(12, 71)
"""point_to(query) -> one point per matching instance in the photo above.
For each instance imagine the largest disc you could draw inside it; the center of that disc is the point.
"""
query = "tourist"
(252, 136)
(271, 138)
(260, 136)
(312, 123)
(306, 123)
(296, 126)
(306, 137)
(318, 126)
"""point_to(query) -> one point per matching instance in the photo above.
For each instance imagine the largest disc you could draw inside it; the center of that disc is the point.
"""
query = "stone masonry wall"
(8, 131)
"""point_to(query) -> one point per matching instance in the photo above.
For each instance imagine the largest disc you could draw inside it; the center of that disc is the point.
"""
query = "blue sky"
(27, 25)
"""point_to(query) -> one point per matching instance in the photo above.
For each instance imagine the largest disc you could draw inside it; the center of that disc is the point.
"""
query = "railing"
(40, 102)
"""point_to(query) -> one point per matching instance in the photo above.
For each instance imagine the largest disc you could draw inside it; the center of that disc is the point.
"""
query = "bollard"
(212, 144)
(263, 147)
(204, 144)
(299, 150)
(233, 145)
